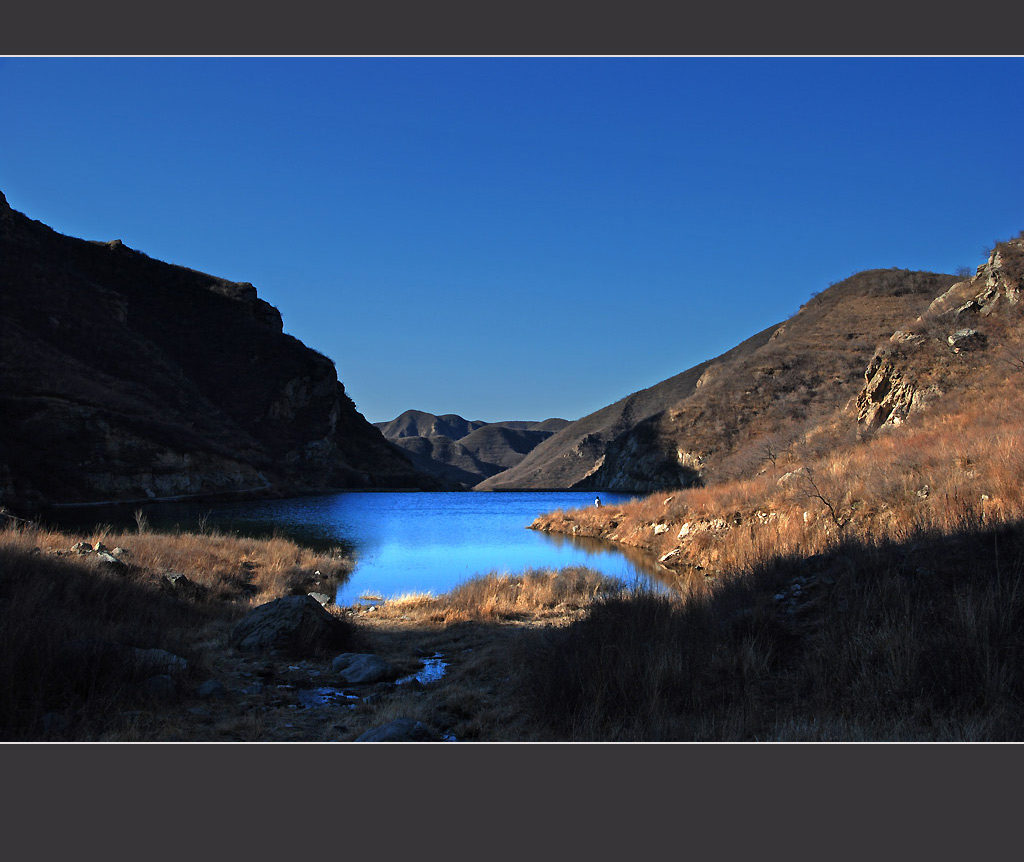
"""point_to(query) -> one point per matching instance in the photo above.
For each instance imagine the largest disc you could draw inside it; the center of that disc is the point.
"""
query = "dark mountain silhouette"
(126, 378)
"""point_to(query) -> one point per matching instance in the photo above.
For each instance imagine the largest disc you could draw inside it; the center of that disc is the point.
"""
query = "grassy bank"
(889, 640)
(894, 641)
(61, 609)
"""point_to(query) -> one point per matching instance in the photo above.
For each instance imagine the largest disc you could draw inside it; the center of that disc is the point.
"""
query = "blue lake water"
(410, 542)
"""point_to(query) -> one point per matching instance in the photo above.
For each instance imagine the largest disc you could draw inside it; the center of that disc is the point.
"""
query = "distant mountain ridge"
(126, 378)
(461, 452)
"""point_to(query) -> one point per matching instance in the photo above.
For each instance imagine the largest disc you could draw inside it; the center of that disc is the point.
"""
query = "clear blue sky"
(520, 238)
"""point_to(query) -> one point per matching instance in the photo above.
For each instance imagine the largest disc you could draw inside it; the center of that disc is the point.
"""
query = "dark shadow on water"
(660, 577)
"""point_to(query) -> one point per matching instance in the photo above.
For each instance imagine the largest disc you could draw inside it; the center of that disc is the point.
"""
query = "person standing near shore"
(597, 502)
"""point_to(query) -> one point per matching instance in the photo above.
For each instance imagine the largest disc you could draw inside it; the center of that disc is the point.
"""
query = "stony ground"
(465, 693)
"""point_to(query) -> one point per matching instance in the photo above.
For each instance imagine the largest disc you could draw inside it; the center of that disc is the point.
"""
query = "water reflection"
(657, 575)
(405, 542)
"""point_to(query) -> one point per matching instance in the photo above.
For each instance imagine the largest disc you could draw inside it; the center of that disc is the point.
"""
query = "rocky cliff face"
(126, 378)
(920, 362)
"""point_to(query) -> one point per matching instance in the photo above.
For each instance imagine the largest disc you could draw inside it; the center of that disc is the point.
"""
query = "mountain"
(126, 378)
(724, 417)
(416, 423)
(461, 452)
(927, 450)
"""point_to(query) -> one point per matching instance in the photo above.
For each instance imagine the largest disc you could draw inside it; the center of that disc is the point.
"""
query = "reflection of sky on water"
(413, 542)
(429, 543)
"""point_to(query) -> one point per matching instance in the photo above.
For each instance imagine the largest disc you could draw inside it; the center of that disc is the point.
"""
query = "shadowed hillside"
(574, 452)
(123, 378)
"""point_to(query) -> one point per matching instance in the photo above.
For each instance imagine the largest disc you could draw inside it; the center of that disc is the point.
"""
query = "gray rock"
(211, 689)
(295, 624)
(160, 687)
(965, 339)
(323, 598)
(110, 559)
(92, 656)
(360, 668)
(182, 586)
(400, 730)
(82, 548)
(791, 478)
(156, 661)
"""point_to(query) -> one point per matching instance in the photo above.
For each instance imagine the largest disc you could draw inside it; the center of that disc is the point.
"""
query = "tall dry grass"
(959, 465)
(892, 641)
(222, 565)
(868, 583)
(496, 596)
(66, 618)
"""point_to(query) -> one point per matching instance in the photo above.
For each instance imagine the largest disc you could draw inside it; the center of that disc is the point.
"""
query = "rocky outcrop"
(638, 461)
(126, 378)
(887, 398)
(911, 371)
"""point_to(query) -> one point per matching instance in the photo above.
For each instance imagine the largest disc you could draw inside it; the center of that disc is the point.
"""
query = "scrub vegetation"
(862, 581)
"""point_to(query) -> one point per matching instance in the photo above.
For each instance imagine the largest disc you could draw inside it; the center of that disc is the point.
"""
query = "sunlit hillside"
(862, 579)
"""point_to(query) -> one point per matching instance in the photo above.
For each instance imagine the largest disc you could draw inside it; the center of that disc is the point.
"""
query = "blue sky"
(520, 238)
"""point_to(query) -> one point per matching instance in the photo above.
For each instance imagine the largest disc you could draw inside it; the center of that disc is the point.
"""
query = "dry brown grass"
(225, 566)
(64, 616)
(954, 467)
(874, 592)
(534, 594)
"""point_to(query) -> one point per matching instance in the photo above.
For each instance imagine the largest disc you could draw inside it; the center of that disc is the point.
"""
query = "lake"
(406, 541)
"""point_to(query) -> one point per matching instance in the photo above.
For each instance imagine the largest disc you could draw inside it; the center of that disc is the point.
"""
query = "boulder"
(293, 624)
(211, 689)
(91, 656)
(178, 583)
(965, 339)
(112, 561)
(157, 688)
(154, 662)
(400, 730)
(362, 668)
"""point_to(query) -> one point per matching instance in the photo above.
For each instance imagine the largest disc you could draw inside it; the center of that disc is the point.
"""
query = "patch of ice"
(323, 696)
(433, 669)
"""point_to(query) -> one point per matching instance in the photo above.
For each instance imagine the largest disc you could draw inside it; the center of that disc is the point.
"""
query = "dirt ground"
(465, 695)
